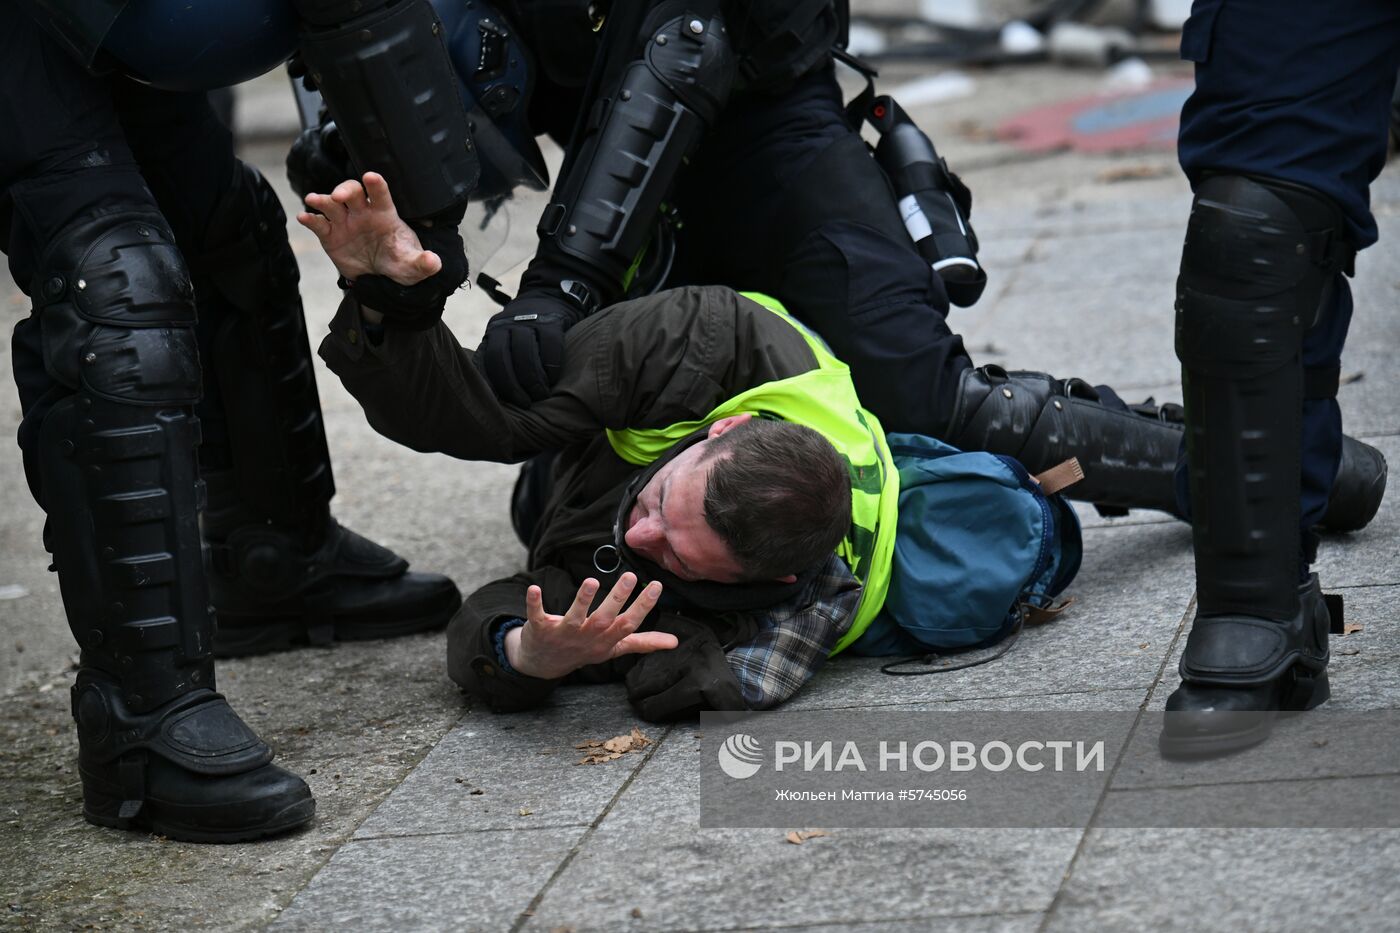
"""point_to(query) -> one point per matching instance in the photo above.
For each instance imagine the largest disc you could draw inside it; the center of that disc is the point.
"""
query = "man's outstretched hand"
(550, 646)
(362, 233)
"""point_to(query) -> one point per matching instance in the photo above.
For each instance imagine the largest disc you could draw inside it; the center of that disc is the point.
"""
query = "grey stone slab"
(1119, 335)
(1102, 209)
(1369, 802)
(1127, 261)
(1328, 743)
(511, 772)
(1223, 879)
(977, 923)
(1131, 594)
(648, 855)
(478, 881)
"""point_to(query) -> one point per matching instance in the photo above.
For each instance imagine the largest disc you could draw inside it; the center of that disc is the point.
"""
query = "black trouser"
(86, 159)
(89, 142)
(782, 198)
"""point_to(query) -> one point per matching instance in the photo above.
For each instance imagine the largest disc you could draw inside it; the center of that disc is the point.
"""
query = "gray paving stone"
(523, 762)
(1371, 802)
(1281, 880)
(1131, 596)
(471, 882)
(648, 854)
(1119, 335)
(1128, 262)
(1105, 212)
(983, 923)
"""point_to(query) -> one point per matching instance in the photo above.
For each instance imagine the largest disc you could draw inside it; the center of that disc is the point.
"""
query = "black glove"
(418, 307)
(522, 351)
(318, 160)
(686, 680)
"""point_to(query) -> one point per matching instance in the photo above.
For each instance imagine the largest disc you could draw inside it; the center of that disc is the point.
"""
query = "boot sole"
(247, 636)
(1217, 744)
(103, 810)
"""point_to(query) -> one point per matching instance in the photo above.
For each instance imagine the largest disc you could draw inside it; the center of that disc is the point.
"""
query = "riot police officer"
(1280, 140)
(166, 363)
(708, 142)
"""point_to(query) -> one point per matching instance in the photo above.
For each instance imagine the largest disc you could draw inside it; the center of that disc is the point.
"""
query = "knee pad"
(116, 311)
(1259, 257)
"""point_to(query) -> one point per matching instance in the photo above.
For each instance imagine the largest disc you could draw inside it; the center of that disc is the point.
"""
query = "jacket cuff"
(473, 663)
(353, 338)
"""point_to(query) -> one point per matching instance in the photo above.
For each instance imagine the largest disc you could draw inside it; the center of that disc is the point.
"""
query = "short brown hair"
(779, 495)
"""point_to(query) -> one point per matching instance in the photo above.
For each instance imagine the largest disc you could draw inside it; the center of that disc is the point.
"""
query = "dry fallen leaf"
(799, 836)
(1352, 627)
(524, 812)
(636, 913)
(612, 749)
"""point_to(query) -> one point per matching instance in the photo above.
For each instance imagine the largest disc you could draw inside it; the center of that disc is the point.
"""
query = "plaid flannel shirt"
(795, 637)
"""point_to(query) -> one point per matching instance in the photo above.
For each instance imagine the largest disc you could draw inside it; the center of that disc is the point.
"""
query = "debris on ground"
(1351, 628)
(596, 751)
(1134, 173)
(799, 836)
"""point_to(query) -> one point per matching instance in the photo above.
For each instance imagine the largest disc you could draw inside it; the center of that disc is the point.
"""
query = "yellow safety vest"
(823, 399)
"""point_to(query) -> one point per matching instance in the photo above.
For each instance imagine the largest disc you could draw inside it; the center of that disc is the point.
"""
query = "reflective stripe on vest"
(823, 399)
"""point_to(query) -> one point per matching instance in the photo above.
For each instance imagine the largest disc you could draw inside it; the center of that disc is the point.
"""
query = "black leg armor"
(1129, 455)
(283, 571)
(636, 140)
(389, 85)
(1258, 259)
(116, 459)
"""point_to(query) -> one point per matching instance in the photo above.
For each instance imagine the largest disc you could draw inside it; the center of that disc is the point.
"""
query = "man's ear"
(727, 424)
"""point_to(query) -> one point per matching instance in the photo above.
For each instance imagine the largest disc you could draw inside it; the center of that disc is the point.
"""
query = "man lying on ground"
(713, 447)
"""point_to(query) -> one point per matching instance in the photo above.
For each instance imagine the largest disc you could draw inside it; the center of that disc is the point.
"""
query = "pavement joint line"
(997, 696)
(529, 912)
(382, 837)
(847, 921)
(1362, 586)
(1286, 780)
(1117, 763)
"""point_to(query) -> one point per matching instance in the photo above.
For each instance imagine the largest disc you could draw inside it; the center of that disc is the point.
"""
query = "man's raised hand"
(550, 646)
(362, 233)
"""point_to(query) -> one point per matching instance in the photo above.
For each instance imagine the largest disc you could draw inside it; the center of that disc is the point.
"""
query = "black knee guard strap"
(1258, 257)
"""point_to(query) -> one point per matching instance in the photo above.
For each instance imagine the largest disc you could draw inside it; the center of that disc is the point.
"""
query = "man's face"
(667, 524)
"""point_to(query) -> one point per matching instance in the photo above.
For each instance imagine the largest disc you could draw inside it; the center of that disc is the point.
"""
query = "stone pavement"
(435, 815)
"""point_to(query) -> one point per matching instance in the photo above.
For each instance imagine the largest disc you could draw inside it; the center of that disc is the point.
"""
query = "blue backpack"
(979, 544)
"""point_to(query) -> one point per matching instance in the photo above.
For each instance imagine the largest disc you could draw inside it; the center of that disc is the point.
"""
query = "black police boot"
(1129, 454)
(189, 769)
(1239, 671)
(274, 588)
(1259, 260)
(158, 749)
(113, 464)
(284, 572)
